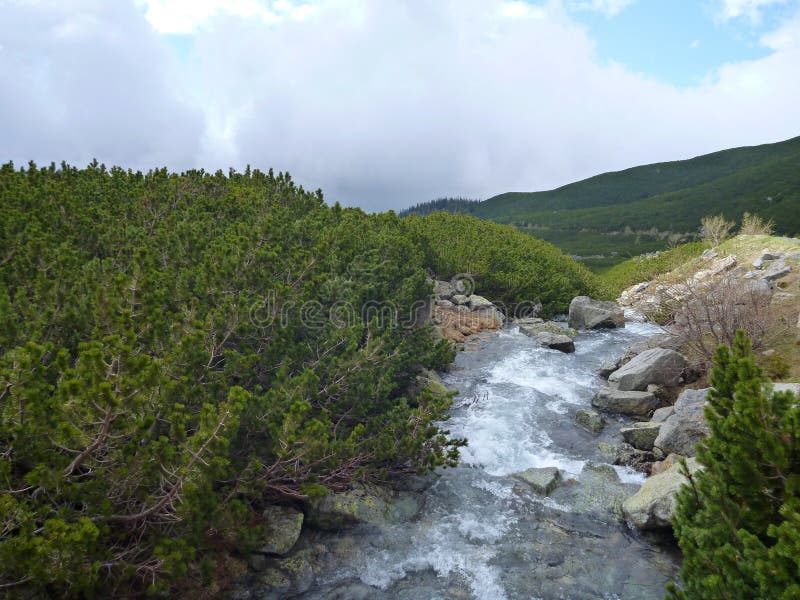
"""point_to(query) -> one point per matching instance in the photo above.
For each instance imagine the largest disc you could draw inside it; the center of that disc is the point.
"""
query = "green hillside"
(644, 208)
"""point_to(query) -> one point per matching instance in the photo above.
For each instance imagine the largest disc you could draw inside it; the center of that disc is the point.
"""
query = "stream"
(482, 533)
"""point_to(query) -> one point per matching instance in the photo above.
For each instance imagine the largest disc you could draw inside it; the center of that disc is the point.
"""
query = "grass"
(638, 269)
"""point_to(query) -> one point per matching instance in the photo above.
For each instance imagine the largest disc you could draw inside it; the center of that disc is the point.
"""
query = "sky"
(386, 103)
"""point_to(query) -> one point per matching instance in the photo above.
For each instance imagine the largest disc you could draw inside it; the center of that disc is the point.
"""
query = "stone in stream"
(363, 504)
(608, 367)
(641, 435)
(553, 341)
(283, 526)
(587, 313)
(542, 480)
(659, 366)
(632, 403)
(653, 505)
(686, 426)
(589, 419)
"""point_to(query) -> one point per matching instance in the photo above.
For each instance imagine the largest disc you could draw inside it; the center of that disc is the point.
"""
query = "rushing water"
(482, 533)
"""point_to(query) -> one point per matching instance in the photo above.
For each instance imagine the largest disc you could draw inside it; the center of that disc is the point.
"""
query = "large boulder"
(659, 366)
(282, 529)
(587, 313)
(686, 426)
(633, 403)
(641, 435)
(362, 504)
(653, 506)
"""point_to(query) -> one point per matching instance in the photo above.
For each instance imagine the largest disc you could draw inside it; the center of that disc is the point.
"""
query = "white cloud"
(607, 7)
(91, 79)
(381, 104)
(186, 16)
(750, 9)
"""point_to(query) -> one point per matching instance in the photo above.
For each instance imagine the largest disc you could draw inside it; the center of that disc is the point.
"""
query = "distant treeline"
(451, 205)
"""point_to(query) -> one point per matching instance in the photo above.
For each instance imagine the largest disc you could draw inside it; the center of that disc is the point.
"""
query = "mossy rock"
(282, 525)
(363, 504)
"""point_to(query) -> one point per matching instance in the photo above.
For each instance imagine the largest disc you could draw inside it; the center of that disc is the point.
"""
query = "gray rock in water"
(635, 403)
(641, 435)
(532, 327)
(586, 313)
(589, 419)
(608, 367)
(564, 343)
(283, 528)
(290, 576)
(659, 366)
(653, 506)
(542, 481)
(363, 504)
(682, 430)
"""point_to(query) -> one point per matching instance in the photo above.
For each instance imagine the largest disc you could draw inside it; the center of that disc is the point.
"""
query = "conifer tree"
(738, 522)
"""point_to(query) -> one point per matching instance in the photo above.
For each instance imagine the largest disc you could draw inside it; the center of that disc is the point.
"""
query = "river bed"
(482, 533)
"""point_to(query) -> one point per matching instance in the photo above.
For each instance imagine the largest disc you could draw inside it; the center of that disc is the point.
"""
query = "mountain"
(645, 208)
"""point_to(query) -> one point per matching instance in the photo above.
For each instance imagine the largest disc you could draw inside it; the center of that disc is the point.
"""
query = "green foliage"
(738, 523)
(671, 197)
(644, 268)
(152, 394)
(507, 265)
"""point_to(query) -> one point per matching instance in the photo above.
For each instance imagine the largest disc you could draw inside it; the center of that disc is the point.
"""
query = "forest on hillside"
(176, 352)
(614, 216)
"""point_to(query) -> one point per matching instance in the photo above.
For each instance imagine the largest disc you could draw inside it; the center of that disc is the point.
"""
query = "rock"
(444, 303)
(686, 426)
(716, 268)
(608, 367)
(586, 313)
(659, 365)
(589, 419)
(599, 491)
(532, 327)
(459, 299)
(563, 343)
(362, 504)
(758, 263)
(475, 302)
(294, 574)
(626, 455)
(283, 526)
(542, 480)
(776, 271)
(665, 464)
(635, 403)
(709, 254)
(430, 380)
(641, 435)
(492, 312)
(662, 414)
(653, 505)
(767, 255)
(443, 290)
